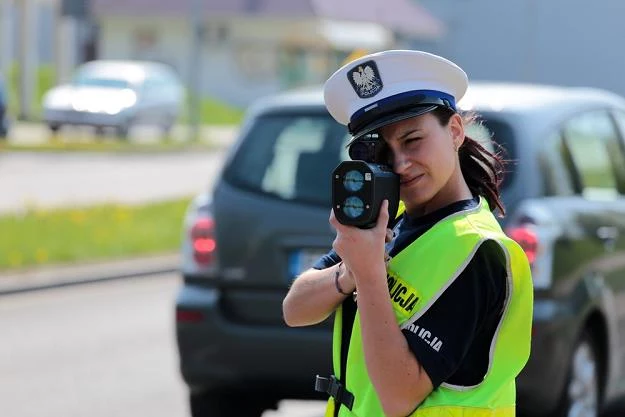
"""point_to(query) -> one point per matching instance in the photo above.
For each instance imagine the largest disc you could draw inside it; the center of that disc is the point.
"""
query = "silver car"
(118, 94)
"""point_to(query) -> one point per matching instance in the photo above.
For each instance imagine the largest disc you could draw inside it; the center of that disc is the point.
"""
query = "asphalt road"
(70, 179)
(98, 350)
(57, 179)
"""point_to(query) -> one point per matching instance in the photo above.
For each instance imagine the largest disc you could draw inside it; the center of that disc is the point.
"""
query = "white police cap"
(386, 87)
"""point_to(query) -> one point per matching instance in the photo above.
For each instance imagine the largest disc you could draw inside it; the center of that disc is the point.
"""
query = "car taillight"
(203, 241)
(527, 239)
(189, 316)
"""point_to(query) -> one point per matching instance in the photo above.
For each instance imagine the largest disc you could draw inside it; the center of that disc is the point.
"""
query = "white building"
(255, 47)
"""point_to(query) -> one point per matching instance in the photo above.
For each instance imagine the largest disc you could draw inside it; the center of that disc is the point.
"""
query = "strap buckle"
(333, 387)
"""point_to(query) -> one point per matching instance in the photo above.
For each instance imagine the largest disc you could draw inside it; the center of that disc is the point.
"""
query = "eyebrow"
(408, 133)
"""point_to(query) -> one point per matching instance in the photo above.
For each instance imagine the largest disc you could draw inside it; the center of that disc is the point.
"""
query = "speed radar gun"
(359, 186)
(372, 92)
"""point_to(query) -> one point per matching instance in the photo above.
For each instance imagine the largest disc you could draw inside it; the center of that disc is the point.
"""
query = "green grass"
(212, 111)
(40, 237)
(118, 147)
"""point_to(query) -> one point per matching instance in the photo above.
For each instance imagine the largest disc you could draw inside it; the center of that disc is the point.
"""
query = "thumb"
(383, 215)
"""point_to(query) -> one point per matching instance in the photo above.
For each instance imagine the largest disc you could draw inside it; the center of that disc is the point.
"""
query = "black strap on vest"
(333, 386)
(336, 390)
(347, 324)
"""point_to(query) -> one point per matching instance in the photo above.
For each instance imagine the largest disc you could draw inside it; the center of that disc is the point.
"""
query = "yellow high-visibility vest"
(417, 276)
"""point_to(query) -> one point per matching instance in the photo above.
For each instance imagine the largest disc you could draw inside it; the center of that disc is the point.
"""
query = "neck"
(455, 190)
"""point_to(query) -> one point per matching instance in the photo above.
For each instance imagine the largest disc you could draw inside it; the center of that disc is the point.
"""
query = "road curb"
(86, 273)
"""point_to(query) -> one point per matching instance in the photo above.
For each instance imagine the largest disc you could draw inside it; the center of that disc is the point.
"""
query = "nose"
(400, 162)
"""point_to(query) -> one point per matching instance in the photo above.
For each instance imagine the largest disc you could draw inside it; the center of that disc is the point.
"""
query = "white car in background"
(117, 94)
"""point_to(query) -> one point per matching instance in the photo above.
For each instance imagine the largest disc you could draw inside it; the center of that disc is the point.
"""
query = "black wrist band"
(336, 280)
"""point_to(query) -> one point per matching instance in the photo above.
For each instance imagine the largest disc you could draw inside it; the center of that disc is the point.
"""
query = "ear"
(456, 128)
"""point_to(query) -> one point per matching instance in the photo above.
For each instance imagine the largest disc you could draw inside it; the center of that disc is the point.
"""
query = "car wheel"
(166, 124)
(581, 393)
(123, 130)
(225, 403)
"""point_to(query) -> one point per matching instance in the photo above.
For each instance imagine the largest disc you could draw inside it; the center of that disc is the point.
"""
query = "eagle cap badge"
(365, 79)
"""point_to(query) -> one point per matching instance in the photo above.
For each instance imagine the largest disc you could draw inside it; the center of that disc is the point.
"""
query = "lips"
(410, 180)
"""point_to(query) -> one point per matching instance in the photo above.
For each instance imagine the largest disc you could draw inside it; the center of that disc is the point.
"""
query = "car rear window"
(290, 156)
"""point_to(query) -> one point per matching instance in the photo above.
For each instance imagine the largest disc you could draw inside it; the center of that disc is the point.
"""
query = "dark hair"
(482, 170)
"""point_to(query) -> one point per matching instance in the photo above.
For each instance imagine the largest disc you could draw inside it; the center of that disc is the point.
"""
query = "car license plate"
(302, 259)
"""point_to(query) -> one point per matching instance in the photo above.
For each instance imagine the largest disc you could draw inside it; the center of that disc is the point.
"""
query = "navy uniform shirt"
(465, 317)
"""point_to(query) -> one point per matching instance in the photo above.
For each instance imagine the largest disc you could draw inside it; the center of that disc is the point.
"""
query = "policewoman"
(432, 315)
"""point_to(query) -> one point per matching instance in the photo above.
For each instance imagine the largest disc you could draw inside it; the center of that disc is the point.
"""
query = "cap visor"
(389, 119)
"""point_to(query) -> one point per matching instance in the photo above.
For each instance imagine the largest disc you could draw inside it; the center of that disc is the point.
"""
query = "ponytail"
(482, 170)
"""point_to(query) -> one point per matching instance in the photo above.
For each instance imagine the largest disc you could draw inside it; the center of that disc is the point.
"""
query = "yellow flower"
(41, 255)
(122, 214)
(78, 217)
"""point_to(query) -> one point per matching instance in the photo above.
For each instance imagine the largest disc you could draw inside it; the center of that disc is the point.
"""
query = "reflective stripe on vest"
(441, 254)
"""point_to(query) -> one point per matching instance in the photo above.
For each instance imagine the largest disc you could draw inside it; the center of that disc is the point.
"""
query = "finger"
(389, 235)
(336, 225)
(332, 219)
(383, 215)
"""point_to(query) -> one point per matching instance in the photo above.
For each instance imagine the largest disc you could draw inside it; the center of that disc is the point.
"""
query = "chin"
(414, 198)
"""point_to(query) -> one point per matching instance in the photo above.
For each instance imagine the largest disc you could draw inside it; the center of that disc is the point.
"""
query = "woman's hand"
(362, 249)
(346, 278)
